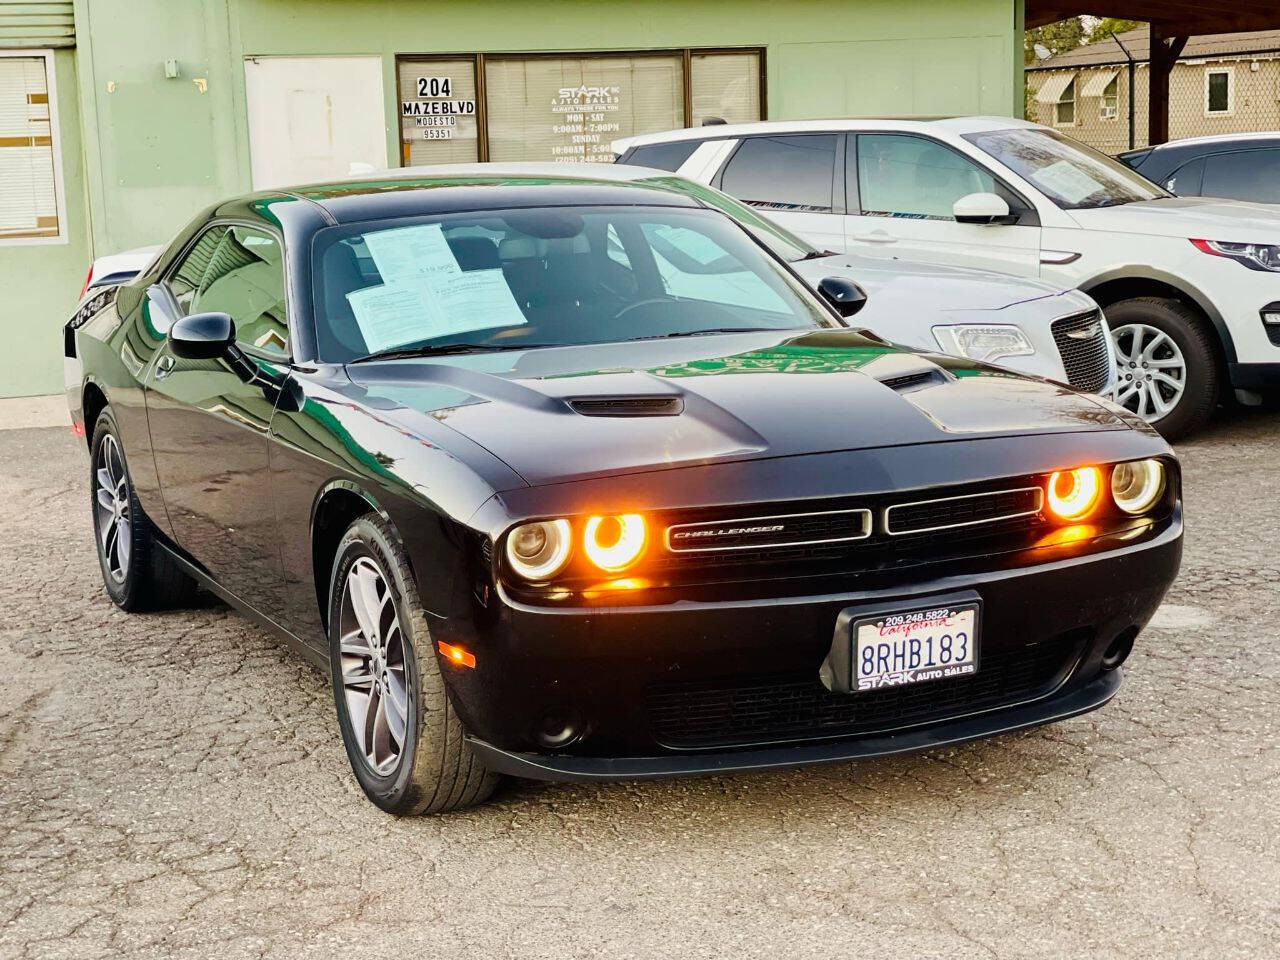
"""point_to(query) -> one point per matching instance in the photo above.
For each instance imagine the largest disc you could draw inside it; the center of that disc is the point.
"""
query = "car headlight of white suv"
(983, 341)
(1255, 256)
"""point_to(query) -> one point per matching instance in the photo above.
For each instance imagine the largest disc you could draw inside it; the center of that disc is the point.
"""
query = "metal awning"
(1098, 82)
(1052, 89)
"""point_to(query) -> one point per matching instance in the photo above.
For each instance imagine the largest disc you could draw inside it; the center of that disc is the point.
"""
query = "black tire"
(435, 770)
(1188, 330)
(150, 579)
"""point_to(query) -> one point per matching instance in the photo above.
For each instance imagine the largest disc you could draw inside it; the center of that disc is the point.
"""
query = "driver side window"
(239, 271)
(914, 178)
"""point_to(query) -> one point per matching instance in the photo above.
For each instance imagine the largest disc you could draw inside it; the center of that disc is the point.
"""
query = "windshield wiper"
(817, 255)
(444, 349)
(701, 333)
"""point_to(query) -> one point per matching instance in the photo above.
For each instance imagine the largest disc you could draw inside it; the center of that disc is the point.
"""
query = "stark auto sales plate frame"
(894, 646)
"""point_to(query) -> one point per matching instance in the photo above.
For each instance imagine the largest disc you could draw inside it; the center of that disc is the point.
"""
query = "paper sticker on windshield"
(408, 254)
(390, 315)
(1067, 180)
(475, 300)
(397, 314)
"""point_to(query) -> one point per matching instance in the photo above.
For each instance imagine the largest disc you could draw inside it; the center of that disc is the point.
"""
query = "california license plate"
(914, 646)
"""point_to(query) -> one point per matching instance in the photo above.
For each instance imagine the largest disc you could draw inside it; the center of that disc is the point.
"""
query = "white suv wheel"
(1151, 372)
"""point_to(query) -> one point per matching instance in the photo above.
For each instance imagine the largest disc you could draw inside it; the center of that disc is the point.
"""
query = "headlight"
(614, 543)
(983, 341)
(1137, 485)
(1074, 493)
(539, 550)
(1255, 256)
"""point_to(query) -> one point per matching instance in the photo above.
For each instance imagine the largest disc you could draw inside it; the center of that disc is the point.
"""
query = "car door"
(794, 178)
(901, 189)
(208, 426)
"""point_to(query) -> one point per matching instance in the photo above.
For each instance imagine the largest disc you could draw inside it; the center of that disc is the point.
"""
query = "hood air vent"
(663, 406)
(914, 381)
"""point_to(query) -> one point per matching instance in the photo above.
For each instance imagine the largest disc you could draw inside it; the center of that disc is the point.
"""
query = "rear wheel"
(403, 738)
(138, 575)
(1166, 370)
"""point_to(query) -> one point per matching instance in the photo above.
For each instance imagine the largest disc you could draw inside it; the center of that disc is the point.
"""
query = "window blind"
(28, 195)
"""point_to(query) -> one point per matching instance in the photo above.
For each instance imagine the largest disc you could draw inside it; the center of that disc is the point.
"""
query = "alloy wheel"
(111, 500)
(373, 666)
(1151, 372)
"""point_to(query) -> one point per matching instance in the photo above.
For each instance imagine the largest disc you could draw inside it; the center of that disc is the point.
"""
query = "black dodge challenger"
(573, 479)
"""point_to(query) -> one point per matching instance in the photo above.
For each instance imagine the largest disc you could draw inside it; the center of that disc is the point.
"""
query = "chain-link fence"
(1105, 104)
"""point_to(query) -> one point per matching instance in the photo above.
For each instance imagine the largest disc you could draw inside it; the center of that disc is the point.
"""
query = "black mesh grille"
(786, 707)
(961, 511)
(1082, 344)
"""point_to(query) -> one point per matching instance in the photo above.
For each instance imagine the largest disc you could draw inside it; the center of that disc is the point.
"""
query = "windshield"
(553, 276)
(1073, 176)
(785, 244)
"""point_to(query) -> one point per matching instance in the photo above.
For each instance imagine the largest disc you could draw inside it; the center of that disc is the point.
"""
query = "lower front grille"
(789, 707)
(1082, 344)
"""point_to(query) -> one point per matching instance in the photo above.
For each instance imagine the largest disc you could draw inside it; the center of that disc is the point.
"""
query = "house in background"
(1225, 83)
(121, 119)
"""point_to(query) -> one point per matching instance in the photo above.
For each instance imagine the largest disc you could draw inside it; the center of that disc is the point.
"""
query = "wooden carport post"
(1164, 54)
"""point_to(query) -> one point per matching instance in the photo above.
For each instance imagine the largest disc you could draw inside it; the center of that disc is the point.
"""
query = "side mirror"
(202, 336)
(983, 208)
(843, 294)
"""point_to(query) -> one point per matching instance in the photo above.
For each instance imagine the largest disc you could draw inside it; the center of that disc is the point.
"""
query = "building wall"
(1256, 102)
(158, 150)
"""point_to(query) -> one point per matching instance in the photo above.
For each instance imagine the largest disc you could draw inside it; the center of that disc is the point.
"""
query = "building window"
(30, 191)
(1110, 100)
(725, 86)
(1065, 109)
(438, 111)
(572, 108)
(566, 106)
(1219, 93)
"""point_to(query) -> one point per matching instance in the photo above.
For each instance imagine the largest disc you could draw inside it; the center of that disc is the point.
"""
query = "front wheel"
(1166, 370)
(403, 738)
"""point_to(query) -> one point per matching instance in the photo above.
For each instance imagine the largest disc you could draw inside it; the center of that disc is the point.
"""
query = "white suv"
(1191, 286)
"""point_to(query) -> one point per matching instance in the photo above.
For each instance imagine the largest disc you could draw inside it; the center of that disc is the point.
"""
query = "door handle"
(875, 236)
(164, 366)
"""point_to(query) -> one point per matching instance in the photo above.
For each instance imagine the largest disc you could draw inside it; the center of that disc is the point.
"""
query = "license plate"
(914, 646)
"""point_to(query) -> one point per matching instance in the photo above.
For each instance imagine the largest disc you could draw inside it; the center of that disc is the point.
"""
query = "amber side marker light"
(456, 655)
(614, 543)
(1073, 494)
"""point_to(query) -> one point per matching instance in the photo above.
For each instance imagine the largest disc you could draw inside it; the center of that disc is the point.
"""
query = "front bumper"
(596, 669)
(534, 766)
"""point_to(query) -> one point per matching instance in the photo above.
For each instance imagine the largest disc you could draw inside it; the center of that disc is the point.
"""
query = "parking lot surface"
(173, 785)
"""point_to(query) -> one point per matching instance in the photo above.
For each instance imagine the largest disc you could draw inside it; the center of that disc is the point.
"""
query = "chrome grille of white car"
(1082, 343)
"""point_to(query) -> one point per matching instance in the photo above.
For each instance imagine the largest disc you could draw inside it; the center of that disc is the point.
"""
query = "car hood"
(716, 398)
(894, 285)
(1190, 217)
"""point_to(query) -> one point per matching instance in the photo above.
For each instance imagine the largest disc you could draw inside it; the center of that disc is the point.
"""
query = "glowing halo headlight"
(1073, 494)
(614, 543)
(539, 550)
(1137, 485)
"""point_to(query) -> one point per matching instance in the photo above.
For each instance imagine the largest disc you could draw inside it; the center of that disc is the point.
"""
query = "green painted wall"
(39, 282)
(160, 149)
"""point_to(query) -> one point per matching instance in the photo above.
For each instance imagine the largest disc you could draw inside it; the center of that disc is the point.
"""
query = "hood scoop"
(906, 382)
(628, 406)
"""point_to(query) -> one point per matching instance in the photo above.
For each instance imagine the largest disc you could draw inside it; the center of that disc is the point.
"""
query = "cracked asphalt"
(172, 785)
